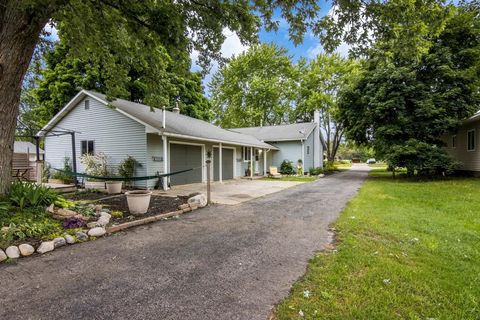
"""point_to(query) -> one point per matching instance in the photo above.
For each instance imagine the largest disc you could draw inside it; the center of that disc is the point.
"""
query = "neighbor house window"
(471, 140)
(308, 149)
(454, 141)
(87, 147)
(246, 154)
(87, 104)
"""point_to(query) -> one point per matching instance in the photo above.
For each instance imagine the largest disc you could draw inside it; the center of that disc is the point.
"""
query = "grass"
(378, 165)
(342, 165)
(292, 178)
(406, 250)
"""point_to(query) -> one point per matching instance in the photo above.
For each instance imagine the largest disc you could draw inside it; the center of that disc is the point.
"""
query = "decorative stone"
(92, 224)
(199, 200)
(96, 232)
(183, 206)
(26, 249)
(321, 175)
(62, 214)
(98, 208)
(13, 252)
(82, 236)
(46, 246)
(69, 239)
(51, 208)
(105, 210)
(193, 206)
(103, 220)
(3, 256)
(59, 242)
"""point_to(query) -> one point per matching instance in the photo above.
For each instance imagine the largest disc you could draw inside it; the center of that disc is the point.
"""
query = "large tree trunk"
(19, 33)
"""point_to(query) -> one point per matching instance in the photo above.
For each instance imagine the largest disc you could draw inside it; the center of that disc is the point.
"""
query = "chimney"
(316, 116)
(176, 109)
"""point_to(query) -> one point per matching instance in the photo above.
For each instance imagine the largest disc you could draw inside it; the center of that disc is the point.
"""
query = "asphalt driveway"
(222, 262)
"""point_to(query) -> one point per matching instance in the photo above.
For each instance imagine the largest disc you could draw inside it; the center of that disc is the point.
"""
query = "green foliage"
(401, 105)
(255, 88)
(127, 167)
(96, 164)
(351, 151)
(28, 195)
(117, 214)
(64, 175)
(315, 171)
(287, 167)
(61, 202)
(330, 166)
(420, 235)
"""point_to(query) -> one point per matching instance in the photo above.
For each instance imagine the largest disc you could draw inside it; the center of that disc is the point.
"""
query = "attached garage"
(227, 163)
(182, 157)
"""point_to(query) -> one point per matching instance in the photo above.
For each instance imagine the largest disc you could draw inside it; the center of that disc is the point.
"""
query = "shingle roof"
(25, 147)
(295, 131)
(176, 124)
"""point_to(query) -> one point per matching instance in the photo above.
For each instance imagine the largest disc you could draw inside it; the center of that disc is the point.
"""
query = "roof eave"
(183, 136)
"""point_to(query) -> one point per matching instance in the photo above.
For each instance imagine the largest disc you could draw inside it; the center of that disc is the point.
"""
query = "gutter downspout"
(165, 161)
(303, 153)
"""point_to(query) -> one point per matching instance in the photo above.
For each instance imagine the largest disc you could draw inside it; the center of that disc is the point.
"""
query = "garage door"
(227, 164)
(183, 157)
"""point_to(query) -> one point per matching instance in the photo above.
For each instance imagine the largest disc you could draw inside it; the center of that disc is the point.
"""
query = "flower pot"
(138, 201)
(99, 185)
(114, 187)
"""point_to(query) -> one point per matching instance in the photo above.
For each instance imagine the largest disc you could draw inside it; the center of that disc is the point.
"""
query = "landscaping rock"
(92, 224)
(59, 242)
(106, 210)
(199, 200)
(64, 213)
(183, 206)
(13, 252)
(26, 249)
(96, 232)
(193, 206)
(69, 239)
(103, 220)
(51, 208)
(82, 236)
(98, 208)
(3, 256)
(45, 247)
(321, 175)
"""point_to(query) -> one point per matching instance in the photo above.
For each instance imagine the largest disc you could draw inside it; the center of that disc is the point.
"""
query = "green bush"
(286, 167)
(330, 166)
(315, 171)
(28, 195)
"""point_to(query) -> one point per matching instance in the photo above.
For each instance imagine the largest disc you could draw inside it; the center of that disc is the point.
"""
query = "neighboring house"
(463, 145)
(298, 141)
(163, 141)
(24, 159)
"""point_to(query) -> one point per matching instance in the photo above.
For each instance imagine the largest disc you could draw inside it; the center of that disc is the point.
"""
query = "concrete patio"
(232, 192)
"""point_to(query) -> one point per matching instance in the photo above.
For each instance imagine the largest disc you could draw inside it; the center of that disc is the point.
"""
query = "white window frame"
(474, 142)
(86, 104)
(246, 156)
(88, 151)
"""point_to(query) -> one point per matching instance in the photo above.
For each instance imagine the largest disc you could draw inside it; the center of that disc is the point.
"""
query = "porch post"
(265, 162)
(220, 164)
(165, 162)
(251, 162)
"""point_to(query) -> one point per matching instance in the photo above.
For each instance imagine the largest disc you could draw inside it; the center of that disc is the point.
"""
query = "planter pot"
(55, 181)
(114, 187)
(100, 185)
(138, 201)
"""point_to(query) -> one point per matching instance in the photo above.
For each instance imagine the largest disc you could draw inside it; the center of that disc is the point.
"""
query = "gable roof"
(284, 132)
(25, 147)
(176, 125)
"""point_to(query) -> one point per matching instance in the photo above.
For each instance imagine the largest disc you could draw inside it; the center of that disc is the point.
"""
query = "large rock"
(13, 252)
(3, 256)
(82, 236)
(200, 200)
(59, 242)
(103, 220)
(64, 213)
(69, 239)
(96, 232)
(26, 249)
(46, 246)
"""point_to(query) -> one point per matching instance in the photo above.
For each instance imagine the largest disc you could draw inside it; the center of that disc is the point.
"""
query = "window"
(246, 154)
(87, 104)
(471, 140)
(87, 147)
(308, 149)
(454, 141)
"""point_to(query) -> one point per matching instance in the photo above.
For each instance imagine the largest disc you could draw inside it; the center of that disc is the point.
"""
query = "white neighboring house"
(160, 141)
(25, 156)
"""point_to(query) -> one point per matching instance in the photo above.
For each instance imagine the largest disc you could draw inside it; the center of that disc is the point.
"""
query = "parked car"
(371, 160)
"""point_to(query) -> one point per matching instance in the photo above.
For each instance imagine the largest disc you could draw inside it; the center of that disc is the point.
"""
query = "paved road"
(222, 262)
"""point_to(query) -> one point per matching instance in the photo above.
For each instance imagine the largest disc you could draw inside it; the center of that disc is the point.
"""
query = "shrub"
(286, 167)
(27, 195)
(66, 174)
(73, 223)
(95, 165)
(315, 171)
(127, 167)
(330, 166)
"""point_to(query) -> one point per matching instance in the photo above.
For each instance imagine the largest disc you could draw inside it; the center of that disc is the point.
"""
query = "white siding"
(309, 149)
(470, 160)
(114, 134)
(154, 150)
(289, 150)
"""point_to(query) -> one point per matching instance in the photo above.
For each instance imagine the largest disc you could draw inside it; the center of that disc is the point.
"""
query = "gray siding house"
(463, 145)
(164, 141)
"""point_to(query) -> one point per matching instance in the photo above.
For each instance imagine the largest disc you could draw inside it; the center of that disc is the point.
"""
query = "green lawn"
(292, 178)
(405, 250)
(381, 165)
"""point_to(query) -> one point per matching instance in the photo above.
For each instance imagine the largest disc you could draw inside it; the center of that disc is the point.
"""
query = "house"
(24, 160)
(160, 141)
(462, 145)
(298, 141)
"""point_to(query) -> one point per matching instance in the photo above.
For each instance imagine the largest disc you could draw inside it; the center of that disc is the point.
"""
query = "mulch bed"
(85, 196)
(158, 204)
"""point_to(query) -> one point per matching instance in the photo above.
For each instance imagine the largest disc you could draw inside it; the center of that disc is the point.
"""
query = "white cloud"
(315, 50)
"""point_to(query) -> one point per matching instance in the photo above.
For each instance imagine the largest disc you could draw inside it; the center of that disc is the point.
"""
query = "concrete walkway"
(222, 262)
(233, 192)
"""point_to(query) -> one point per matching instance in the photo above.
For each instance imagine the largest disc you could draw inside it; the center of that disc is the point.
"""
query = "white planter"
(138, 201)
(100, 185)
(114, 187)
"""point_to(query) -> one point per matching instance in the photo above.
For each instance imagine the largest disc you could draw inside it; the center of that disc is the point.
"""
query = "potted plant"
(114, 186)
(138, 201)
(95, 165)
(62, 177)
